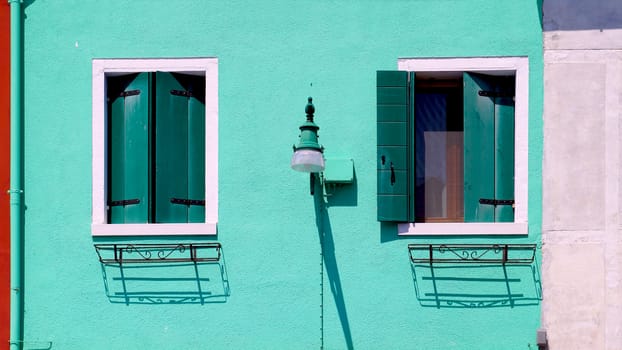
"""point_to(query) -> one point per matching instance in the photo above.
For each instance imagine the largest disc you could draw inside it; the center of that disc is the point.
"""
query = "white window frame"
(487, 65)
(102, 68)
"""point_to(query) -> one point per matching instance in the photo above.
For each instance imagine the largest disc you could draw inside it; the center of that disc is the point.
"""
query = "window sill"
(459, 228)
(153, 229)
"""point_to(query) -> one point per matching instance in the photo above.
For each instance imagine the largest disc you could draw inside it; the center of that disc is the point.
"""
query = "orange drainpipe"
(4, 172)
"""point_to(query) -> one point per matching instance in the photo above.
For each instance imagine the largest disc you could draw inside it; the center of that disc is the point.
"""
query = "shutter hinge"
(182, 93)
(496, 201)
(129, 93)
(188, 201)
(124, 202)
(494, 94)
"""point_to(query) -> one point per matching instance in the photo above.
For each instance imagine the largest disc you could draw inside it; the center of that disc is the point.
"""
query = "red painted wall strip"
(5, 67)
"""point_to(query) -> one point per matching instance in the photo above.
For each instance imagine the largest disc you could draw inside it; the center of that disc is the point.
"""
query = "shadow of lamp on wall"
(332, 174)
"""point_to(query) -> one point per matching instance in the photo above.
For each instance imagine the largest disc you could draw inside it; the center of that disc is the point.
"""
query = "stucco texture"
(272, 55)
(581, 217)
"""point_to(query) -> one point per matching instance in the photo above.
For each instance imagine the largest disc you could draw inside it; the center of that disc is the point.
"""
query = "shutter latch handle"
(392, 174)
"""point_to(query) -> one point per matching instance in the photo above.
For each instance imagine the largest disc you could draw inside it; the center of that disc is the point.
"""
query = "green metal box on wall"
(339, 171)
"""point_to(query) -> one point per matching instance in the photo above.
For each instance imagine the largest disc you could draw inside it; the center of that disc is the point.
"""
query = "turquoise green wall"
(272, 55)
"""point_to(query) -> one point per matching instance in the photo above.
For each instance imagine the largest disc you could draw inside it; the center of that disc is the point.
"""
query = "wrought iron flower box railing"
(158, 253)
(472, 253)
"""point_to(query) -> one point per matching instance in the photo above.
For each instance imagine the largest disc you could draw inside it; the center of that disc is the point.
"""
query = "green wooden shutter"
(179, 150)
(196, 147)
(171, 151)
(504, 149)
(395, 137)
(488, 149)
(128, 148)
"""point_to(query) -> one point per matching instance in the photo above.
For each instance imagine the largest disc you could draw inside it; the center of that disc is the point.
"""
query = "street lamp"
(308, 155)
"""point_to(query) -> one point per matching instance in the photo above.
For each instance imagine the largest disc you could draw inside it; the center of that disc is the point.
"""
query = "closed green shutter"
(488, 149)
(129, 147)
(395, 137)
(171, 156)
(180, 149)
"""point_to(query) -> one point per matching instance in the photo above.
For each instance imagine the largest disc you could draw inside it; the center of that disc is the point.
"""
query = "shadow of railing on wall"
(473, 284)
(171, 280)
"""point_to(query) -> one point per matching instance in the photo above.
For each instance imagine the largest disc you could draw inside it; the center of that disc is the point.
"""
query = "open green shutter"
(504, 149)
(179, 148)
(128, 147)
(395, 136)
(196, 147)
(488, 149)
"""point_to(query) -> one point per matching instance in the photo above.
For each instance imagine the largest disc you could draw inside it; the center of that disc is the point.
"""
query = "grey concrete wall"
(582, 24)
(581, 14)
(582, 232)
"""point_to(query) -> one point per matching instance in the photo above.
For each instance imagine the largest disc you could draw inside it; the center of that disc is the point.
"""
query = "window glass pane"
(439, 155)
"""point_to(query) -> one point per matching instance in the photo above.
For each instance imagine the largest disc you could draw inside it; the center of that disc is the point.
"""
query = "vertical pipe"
(16, 191)
(5, 95)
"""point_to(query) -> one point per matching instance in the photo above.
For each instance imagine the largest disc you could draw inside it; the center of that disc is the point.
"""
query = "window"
(155, 145)
(452, 146)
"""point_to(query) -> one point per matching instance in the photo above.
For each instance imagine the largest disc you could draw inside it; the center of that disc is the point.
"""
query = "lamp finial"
(310, 109)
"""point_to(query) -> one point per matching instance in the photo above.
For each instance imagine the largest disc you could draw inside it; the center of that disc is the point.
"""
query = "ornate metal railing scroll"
(472, 253)
(158, 253)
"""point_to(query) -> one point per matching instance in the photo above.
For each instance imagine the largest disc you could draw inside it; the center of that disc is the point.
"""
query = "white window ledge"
(153, 229)
(460, 228)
